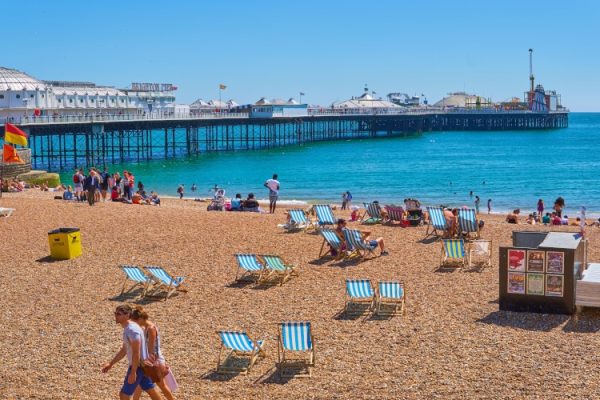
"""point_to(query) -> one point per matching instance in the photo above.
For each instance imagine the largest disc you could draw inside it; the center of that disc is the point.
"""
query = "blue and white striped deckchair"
(274, 265)
(390, 293)
(252, 269)
(437, 222)
(164, 280)
(240, 345)
(467, 221)
(356, 245)
(331, 238)
(324, 214)
(373, 211)
(138, 276)
(453, 251)
(297, 220)
(295, 337)
(358, 291)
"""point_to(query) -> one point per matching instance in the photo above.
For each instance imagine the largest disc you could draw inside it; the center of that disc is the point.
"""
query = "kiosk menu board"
(539, 272)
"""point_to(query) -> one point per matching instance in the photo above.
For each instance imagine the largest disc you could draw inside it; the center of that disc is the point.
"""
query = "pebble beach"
(452, 343)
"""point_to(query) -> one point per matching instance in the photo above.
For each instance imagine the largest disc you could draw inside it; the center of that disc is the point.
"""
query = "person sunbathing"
(513, 218)
(373, 243)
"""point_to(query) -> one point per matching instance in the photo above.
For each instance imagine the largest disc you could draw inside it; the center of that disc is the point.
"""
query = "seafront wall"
(12, 170)
(59, 145)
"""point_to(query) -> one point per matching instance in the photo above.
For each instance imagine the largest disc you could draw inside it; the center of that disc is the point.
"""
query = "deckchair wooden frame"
(169, 289)
(284, 275)
(247, 275)
(144, 285)
(488, 258)
(350, 302)
(286, 363)
(449, 261)
(257, 351)
(383, 301)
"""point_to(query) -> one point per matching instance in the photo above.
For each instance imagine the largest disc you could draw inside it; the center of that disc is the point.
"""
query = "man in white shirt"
(134, 347)
(273, 185)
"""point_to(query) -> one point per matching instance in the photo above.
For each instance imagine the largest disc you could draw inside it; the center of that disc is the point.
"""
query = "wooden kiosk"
(539, 273)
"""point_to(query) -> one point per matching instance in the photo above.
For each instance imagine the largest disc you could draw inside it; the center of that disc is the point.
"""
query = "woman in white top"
(152, 337)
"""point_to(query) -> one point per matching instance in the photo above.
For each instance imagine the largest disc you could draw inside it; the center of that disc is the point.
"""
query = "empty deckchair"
(373, 211)
(240, 345)
(164, 281)
(437, 222)
(467, 223)
(252, 269)
(274, 265)
(295, 338)
(333, 241)
(358, 292)
(394, 214)
(324, 214)
(7, 212)
(390, 294)
(297, 220)
(356, 245)
(480, 253)
(138, 277)
(453, 253)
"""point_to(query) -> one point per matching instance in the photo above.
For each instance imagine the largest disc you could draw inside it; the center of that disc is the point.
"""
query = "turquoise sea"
(513, 168)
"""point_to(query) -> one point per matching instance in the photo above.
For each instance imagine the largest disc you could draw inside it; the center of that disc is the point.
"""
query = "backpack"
(76, 178)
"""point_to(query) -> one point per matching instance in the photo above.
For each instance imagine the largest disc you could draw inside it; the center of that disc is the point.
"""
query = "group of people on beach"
(555, 217)
(141, 345)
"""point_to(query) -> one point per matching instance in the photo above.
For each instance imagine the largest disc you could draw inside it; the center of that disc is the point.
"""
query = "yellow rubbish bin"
(65, 243)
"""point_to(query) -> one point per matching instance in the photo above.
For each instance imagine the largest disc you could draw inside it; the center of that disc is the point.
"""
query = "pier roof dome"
(11, 79)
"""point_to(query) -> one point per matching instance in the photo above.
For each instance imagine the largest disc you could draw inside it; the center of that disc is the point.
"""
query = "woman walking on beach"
(141, 317)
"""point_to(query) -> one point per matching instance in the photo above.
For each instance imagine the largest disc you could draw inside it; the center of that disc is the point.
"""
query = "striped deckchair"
(7, 212)
(165, 281)
(394, 213)
(139, 278)
(480, 253)
(453, 253)
(295, 338)
(358, 291)
(274, 265)
(240, 345)
(331, 238)
(297, 220)
(438, 225)
(467, 222)
(356, 245)
(324, 214)
(373, 210)
(252, 269)
(390, 293)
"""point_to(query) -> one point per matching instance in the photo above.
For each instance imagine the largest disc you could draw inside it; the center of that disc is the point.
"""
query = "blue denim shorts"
(141, 379)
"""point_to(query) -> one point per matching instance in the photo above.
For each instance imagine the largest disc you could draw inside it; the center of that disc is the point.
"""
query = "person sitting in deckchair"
(452, 220)
(373, 243)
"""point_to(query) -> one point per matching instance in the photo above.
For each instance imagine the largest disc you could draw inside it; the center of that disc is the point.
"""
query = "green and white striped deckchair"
(165, 281)
(358, 291)
(453, 253)
(437, 222)
(295, 338)
(139, 278)
(251, 268)
(240, 345)
(373, 211)
(467, 222)
(390, 293)
(274, 265)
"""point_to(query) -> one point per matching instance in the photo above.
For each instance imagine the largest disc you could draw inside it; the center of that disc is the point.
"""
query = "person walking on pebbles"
(273, 186)
(134, 347)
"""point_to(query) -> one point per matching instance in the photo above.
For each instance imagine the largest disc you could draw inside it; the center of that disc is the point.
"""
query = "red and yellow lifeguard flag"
(14, 135)
(10, 155)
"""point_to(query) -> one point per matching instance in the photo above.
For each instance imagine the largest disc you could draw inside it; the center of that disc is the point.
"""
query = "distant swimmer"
(483, 183)
(471, 193)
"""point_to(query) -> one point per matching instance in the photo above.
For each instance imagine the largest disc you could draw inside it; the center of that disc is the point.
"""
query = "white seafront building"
(22, 95)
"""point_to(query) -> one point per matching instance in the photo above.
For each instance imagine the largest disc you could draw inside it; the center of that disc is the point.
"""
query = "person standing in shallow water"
(477, 201)
(489, 206)
(273, 186)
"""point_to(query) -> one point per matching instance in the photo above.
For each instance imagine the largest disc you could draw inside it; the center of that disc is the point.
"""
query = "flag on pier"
(10, 155)
(14, 135)
(222, 87)
(302, 94)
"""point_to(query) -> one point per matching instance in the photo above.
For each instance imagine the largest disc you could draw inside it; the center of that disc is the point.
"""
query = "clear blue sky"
(327, 49)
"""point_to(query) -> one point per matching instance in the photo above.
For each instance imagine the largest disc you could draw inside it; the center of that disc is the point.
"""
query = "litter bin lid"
(63, 230)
